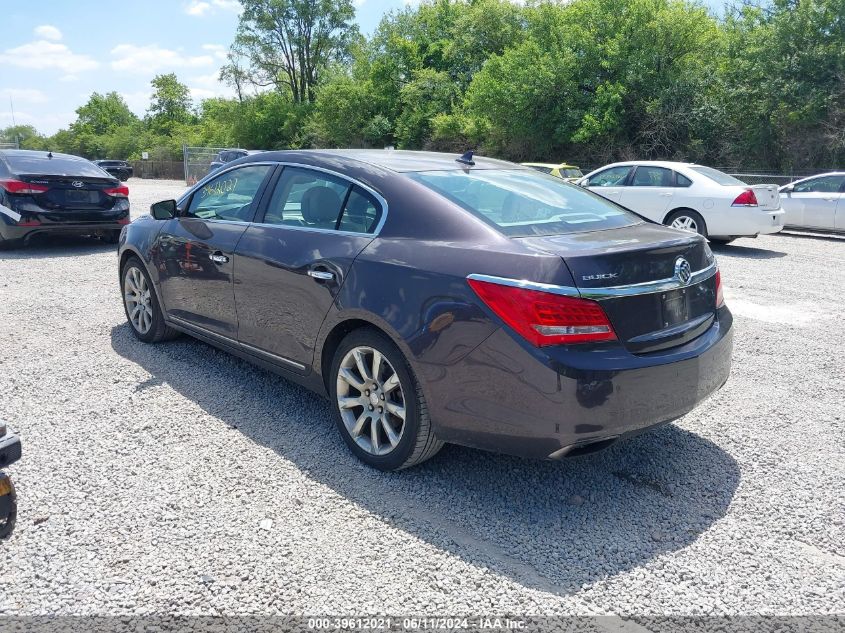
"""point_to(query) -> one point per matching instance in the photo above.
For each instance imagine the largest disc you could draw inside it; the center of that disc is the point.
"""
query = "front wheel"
(141, 304)
(379, 406)
(687, 220)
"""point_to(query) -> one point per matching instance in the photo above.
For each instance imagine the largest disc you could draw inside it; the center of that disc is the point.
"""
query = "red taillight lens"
(125, 220)
(745, 199)
(720, 296)
(29, 222)
(18, 186)
(544, 318)
(118, 192)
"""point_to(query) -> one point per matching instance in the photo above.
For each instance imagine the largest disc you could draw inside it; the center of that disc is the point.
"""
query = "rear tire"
(123, 176)
(384, 420)
(140, 303)
(687, 220)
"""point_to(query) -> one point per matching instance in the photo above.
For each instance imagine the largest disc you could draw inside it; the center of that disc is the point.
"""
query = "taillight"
(544, 318)
(118, 192)
(745, 199)
(29, 222)
(18, 186)
(720, 295)
(125, 220)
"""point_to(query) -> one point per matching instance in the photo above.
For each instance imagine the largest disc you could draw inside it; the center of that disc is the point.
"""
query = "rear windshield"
(719, 177)
(524, 202)
(56, 166)
(571, 173)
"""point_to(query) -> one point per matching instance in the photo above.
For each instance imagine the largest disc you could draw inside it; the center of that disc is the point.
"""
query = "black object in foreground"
(10, 452)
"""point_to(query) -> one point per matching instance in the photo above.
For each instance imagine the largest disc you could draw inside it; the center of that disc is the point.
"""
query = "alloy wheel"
(685, 223)
(371, 400)
(136, 295)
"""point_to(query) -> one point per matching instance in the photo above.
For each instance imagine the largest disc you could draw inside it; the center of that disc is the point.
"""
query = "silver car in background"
(817, 202)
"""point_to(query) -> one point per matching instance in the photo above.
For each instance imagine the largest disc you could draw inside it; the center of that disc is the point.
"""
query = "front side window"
(521, 203)
(825, 184)
(228, 196)
(650, 176)
(613, 177)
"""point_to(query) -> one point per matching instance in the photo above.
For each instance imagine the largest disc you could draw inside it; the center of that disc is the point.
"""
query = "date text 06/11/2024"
(416, 623)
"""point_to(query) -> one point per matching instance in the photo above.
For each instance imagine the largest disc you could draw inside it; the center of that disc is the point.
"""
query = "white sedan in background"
(817, 202)
(690, 197)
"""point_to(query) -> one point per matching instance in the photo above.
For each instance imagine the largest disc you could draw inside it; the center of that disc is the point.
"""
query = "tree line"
(588, 81)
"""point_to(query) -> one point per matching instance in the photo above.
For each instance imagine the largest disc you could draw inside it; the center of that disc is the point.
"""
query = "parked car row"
(702, 199)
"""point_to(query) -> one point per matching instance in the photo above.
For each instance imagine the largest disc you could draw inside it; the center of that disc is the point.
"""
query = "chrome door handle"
(666, 195)
(322, 275)
(218, 258)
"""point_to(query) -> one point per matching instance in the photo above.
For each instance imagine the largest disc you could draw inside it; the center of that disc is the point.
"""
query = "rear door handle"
(322, 275)
(666, 195)
(218, 258)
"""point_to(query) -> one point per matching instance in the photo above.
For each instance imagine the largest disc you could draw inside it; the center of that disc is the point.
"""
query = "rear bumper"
(24, 233)
(509, 397)
(10, 450)
(749, 222)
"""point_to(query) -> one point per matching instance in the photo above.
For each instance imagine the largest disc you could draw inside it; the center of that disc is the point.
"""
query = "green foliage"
(586, 81)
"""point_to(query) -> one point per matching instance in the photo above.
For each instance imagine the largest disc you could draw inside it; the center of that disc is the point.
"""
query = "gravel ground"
(177, 479)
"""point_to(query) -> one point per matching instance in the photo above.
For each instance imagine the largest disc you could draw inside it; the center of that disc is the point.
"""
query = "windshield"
(524, 202)
(718, 176)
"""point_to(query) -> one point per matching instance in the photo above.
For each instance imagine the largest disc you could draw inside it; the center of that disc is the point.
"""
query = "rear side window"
(650, 176)
(613, 177)
(682, 181)
(60, 165)
(545, 170)
(717, 176)
(571, 173)
(521, 203)
(361, 212)
(308, 199)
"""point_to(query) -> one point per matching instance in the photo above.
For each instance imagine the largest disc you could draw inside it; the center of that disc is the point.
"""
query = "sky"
(55, 53)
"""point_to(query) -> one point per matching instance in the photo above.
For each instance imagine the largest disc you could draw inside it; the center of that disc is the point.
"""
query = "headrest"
(320, 205)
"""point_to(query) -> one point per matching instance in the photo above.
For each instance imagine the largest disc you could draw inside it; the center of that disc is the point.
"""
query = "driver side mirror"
(163, 210)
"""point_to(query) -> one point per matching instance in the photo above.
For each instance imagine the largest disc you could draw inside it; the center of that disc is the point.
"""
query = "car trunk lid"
(71, 194)
(631, 271)
(767, 196)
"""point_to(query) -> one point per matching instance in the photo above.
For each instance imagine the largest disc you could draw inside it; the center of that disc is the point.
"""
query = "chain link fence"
(4, 145)
(197, 161)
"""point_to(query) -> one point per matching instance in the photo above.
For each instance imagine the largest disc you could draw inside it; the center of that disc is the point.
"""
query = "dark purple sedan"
(436, 298)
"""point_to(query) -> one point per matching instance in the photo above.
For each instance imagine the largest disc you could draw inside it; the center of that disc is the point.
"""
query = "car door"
(649, 192)
(291, 262)
(194, 253)
(610, 182)
(813, 203)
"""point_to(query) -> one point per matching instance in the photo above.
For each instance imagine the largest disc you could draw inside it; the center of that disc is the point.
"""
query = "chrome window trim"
(599, 294)
(379, 198)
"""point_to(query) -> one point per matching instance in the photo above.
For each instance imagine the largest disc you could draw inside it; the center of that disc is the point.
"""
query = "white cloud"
(44, 123)
(152, 58)
(208, 86)
(42, 54)
(197, 8)
(23, 95)
(218, 50)
(201, 7)
(48, 32)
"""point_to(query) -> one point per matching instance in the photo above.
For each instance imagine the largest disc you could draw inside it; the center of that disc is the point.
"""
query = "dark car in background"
(228, 155)
(46, 193)
(120, 169)
(436, 300)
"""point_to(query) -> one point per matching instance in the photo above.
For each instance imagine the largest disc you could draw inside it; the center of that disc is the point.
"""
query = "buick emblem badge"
(683, 271)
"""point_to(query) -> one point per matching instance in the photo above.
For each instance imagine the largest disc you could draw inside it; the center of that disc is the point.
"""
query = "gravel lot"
(176, 478)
